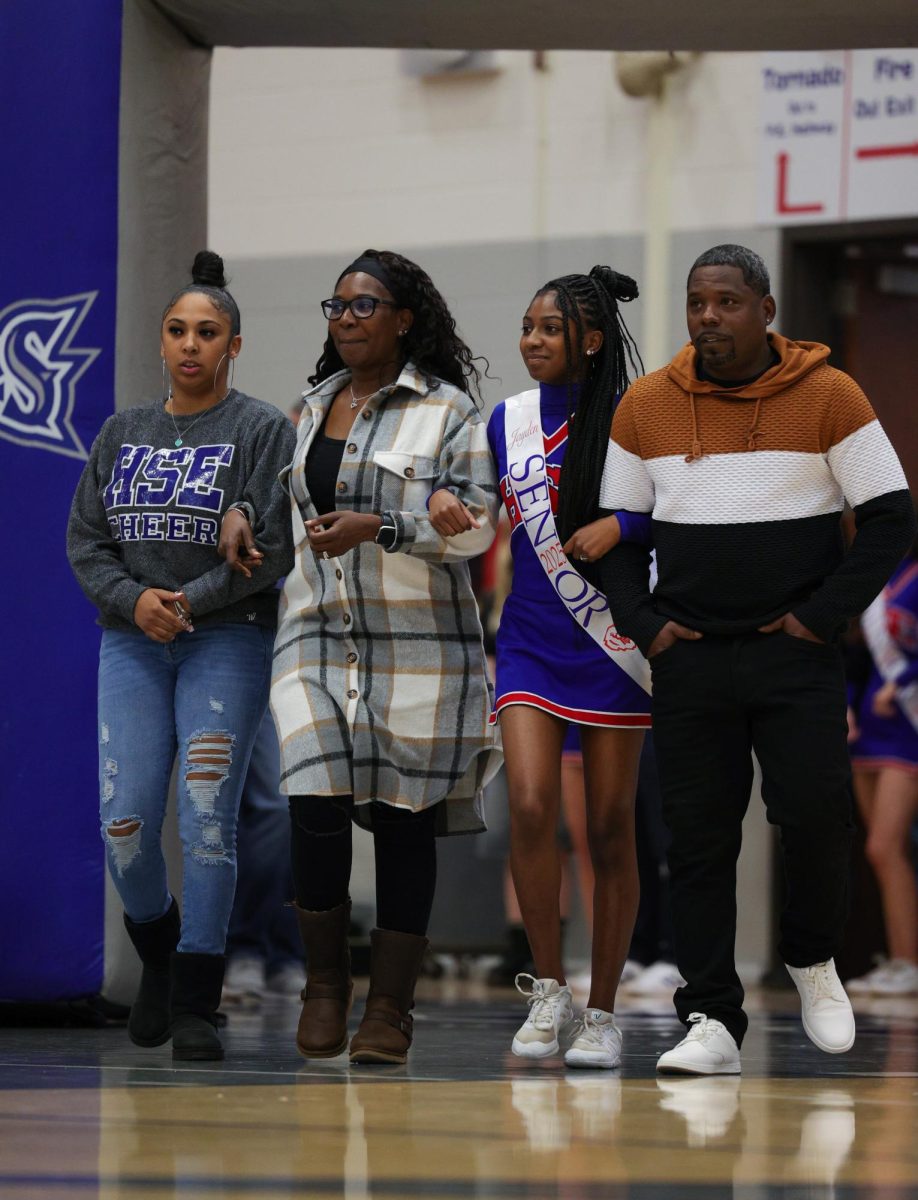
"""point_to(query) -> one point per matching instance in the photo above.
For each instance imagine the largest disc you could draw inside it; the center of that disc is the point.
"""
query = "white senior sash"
(887, 656)
(529, 483)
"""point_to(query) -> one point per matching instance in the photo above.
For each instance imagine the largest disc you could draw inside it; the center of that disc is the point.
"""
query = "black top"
(322, 465)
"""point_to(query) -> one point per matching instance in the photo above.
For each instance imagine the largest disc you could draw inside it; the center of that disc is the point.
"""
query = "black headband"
(371, 266)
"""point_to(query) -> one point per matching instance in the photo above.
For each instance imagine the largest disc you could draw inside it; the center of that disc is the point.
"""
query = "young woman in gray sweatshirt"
(185, 661)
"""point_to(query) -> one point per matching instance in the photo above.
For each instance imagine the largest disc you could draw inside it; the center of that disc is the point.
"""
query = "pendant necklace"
(179, 440)
(355, 400)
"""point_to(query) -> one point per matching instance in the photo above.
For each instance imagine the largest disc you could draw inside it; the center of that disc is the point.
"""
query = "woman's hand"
(593, 540)
(155, 614)
(884, 701)
(334, 533)
(853, 729)
(448, 514)
(237, 545)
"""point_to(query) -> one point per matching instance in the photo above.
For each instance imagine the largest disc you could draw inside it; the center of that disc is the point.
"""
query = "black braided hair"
(432, 343)
(591, 302)
(209, 276)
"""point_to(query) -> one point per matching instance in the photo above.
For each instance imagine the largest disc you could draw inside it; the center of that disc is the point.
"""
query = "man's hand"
(594, 540)
(449, 515)
(790, 625)
(237, 545)
(671, 633)
(155, 615)
(336, 532)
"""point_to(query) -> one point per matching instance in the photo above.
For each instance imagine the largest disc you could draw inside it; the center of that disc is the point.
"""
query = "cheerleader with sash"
(560, 660)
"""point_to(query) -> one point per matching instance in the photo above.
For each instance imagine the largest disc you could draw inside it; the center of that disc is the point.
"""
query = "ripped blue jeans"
(203, 695)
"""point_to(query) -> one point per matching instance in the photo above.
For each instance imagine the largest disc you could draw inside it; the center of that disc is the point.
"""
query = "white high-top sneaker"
(549, 1009)
(708, 1049)
(825, 1008)
(597, 1042)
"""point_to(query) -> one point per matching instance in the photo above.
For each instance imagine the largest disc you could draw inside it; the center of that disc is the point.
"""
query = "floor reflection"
(465, 1118)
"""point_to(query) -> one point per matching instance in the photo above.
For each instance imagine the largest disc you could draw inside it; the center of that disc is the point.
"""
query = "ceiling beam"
(550, 24)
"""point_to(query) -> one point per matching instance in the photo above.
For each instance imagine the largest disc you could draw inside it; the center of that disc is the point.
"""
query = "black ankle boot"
(197, 981)
(154, 941)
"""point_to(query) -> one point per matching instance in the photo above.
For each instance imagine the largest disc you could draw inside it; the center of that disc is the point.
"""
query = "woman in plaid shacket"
(380, 691)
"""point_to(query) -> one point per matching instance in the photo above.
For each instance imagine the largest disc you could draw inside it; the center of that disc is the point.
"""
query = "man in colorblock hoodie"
(745, 449)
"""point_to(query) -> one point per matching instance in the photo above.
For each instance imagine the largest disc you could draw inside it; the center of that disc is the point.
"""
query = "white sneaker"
(244, 984)
(597, 1042)
(899, 977)
(862, 985)
(630, 970)
(660, 978)
(708, 1049)
(825, 1008)
(288, 980)
(549, 1009)
(707, 1105)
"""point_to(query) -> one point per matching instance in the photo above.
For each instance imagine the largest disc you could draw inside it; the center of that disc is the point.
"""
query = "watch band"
(387, 532)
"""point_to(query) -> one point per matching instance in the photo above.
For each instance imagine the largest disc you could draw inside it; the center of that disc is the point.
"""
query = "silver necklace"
(355, 400)
(179, 440)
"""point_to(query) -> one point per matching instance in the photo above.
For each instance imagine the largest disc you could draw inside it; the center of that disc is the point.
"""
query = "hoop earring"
(232, 368)
(167, 388)
(231, 382)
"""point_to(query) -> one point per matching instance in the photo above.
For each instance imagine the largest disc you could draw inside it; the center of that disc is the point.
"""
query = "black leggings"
(406, 859)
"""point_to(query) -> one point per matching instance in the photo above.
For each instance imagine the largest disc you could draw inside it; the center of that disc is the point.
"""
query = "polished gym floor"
(84, 1113)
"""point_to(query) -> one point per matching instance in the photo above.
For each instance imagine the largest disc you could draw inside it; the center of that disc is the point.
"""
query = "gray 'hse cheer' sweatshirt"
(147, 512)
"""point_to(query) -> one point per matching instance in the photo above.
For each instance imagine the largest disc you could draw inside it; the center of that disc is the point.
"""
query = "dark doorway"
(855, 287)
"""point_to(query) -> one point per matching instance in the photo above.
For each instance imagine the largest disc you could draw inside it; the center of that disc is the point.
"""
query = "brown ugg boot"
(322, 1029)
(384, 1035)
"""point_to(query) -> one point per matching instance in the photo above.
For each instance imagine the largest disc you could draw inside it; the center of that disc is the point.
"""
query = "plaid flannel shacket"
(380, 686)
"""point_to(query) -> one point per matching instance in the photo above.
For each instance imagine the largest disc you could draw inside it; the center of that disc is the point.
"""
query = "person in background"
(559, 659)
(186, 647)
(263, 948)
(884, 757)
(650, 969)
(744, 450)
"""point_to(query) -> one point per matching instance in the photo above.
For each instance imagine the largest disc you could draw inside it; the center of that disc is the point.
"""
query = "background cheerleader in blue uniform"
(551, 672)
(884, 758)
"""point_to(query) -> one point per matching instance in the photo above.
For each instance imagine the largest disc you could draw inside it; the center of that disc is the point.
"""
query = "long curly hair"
(432, 343)
(591, 302)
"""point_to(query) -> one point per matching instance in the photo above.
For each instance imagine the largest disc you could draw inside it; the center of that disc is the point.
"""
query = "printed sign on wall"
(839, 136)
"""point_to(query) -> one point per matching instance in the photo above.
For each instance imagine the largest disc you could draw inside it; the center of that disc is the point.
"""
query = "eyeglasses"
(360, 306)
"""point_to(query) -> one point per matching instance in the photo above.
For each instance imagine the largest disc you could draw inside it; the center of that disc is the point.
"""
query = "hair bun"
(621, 287)
(207, 270)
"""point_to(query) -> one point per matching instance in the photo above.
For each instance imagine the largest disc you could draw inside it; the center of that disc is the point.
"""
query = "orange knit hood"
(796, 360)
